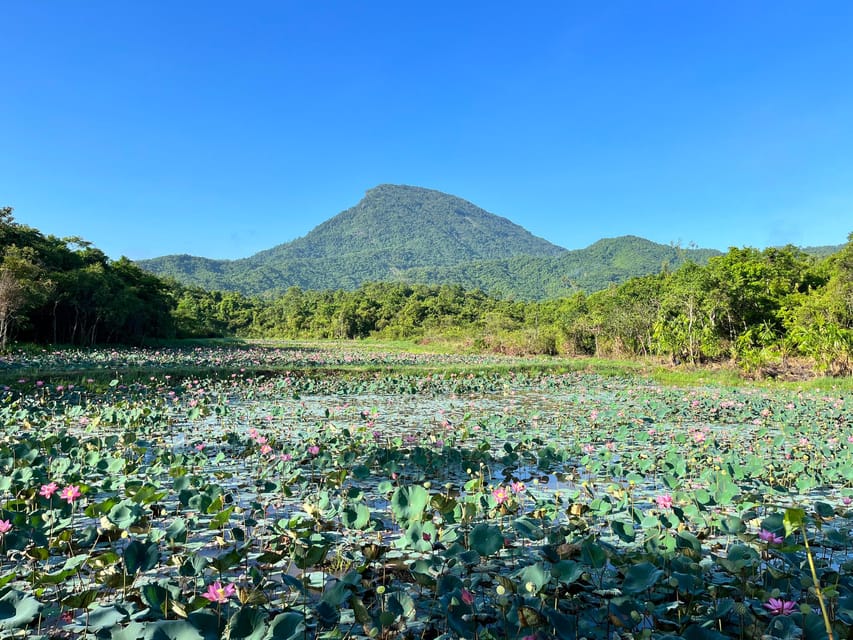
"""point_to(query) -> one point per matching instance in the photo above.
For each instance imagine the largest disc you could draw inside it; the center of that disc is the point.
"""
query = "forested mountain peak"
(415, 226)
(418, 235)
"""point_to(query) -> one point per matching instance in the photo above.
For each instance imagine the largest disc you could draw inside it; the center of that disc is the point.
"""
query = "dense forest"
(759, 308)
(399, 233)
(66, 291)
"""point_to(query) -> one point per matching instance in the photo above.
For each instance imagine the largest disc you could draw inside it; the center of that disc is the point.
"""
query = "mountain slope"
(403, 233)
(608, 261)
(392, 229)
(407, 226)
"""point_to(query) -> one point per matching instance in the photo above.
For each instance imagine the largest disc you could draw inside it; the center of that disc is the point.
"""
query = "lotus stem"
(818, 591)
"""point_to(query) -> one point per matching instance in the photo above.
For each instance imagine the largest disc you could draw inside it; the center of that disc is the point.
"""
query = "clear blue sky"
(223, 128)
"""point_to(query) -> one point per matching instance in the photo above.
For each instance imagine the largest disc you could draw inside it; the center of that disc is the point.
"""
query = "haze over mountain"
(412, 234)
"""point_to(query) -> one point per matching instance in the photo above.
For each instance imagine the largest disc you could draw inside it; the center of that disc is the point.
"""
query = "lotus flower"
(770, 537)
(217, 593)
(48, 490)
(500, 495)
(70, 493)
(779, 607)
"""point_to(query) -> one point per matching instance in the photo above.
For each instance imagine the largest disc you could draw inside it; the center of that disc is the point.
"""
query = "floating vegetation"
(395, 505)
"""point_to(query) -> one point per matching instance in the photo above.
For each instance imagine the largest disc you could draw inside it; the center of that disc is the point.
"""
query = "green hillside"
(607, 262)
(411, 234)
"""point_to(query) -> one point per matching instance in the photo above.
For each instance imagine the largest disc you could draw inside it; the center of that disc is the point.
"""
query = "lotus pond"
(303, 504)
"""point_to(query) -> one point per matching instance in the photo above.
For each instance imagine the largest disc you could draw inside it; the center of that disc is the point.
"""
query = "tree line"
(760, 308)
(65, 291)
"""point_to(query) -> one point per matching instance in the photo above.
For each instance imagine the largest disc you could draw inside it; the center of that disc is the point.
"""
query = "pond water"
(562, 483)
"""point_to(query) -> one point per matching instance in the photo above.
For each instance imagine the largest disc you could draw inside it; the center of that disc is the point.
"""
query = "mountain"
(406, 226)
(608, 261)
(412, 234)
(823, 251)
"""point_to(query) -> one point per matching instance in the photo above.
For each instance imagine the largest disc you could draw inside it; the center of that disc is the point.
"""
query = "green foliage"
(63, 290)
(415, 235)
(758, 308)
(393, 229)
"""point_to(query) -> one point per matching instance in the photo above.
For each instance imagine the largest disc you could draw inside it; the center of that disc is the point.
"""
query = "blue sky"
(223, 128)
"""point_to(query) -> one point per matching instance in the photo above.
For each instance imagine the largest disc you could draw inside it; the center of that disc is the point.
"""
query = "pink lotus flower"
(517, 487)
(313, 449)
(266, 449)
(70, 493)
(217, 593)
(467, 597)
(770, 537)
(500, 495)
(48, 490)
(5, 526)
(779, 607)
(664, 501)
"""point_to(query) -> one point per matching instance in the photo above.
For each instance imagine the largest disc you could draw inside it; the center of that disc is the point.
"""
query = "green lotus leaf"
(141, 556)
(623, 530)
(698, 632)
(401, 604)
(124, 514)
(417, 536)
(566, 626)
(640, 577)
(533, 578)
(177, 531)
(106, 617)
(309, 555)
(355, 516)
(486, 539)
(159, 595)
(194, 565)
(171, 630)
(221, 519)
(133, 631)
(593, 554)
(225, 561)
(80, 599)
(732, 525)
(567, 571)
(18, 609)
(409, 503)
(824, 510)
(248, 623)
